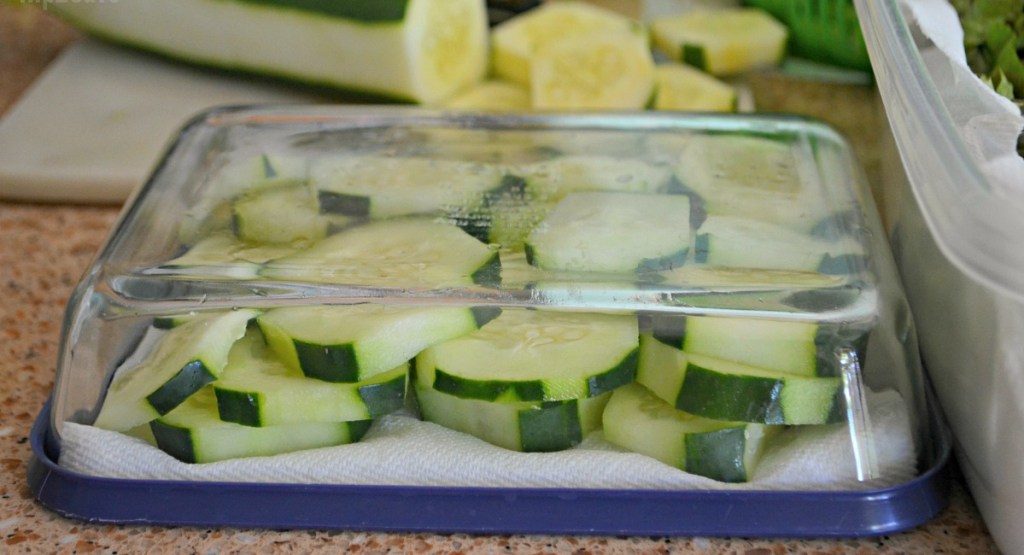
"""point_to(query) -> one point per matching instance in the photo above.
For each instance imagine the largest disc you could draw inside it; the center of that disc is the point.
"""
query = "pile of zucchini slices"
(522, 214)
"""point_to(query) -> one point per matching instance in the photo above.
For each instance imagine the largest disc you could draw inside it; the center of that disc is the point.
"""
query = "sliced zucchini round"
(257, 389)
(786, 346)
(756, 178)
(737, 242)
(613, 233)
(223, 256)
(383, 187)
(193, 433)
(730, 391)
(527, 426)
(552, 179)
(351, 343)
(279, 215)
(407, 253)
(638, 420)
(184, 359)
(535, 355)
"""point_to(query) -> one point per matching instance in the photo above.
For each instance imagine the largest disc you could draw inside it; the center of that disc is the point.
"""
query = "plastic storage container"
(956, 232)
(524, 314)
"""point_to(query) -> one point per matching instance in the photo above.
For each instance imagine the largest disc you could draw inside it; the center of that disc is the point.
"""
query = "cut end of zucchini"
(447, 46)
(408, 50)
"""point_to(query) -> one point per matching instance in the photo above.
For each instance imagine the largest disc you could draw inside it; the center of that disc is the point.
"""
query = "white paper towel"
(401, 450)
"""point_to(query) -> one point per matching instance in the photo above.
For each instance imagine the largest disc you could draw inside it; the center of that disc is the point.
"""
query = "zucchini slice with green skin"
(721, 41)
(731, 391)
(257, 389)
(409, 50)
(537, 426)
(352, 343)
(738, 242)
(405, 253)
(637, 420)
(185, 359)
(795, 347)
(193, 433)
(515, 41)
(279, 215)
(613, 233)
(534, 355)
(382, 187)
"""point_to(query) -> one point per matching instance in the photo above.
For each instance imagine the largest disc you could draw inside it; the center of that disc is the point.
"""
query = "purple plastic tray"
(490, 510)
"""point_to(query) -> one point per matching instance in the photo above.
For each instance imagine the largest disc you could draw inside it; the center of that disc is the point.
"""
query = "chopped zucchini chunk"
(683, 88)
(184, 359)
(193, 433)
(515, 42)
(638, 420)
(721, 41)
(535, 355)
(594, 71)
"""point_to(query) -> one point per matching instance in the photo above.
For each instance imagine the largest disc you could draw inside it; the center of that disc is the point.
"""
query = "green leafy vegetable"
(994, 42)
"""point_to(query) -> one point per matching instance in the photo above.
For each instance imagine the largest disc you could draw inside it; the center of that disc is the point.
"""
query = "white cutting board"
(94, 124)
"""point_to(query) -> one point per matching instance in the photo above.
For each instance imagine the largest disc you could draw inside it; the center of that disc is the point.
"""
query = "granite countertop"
(44, 248)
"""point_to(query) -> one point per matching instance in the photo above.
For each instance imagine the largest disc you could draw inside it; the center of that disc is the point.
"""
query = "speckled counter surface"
(43, 251)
